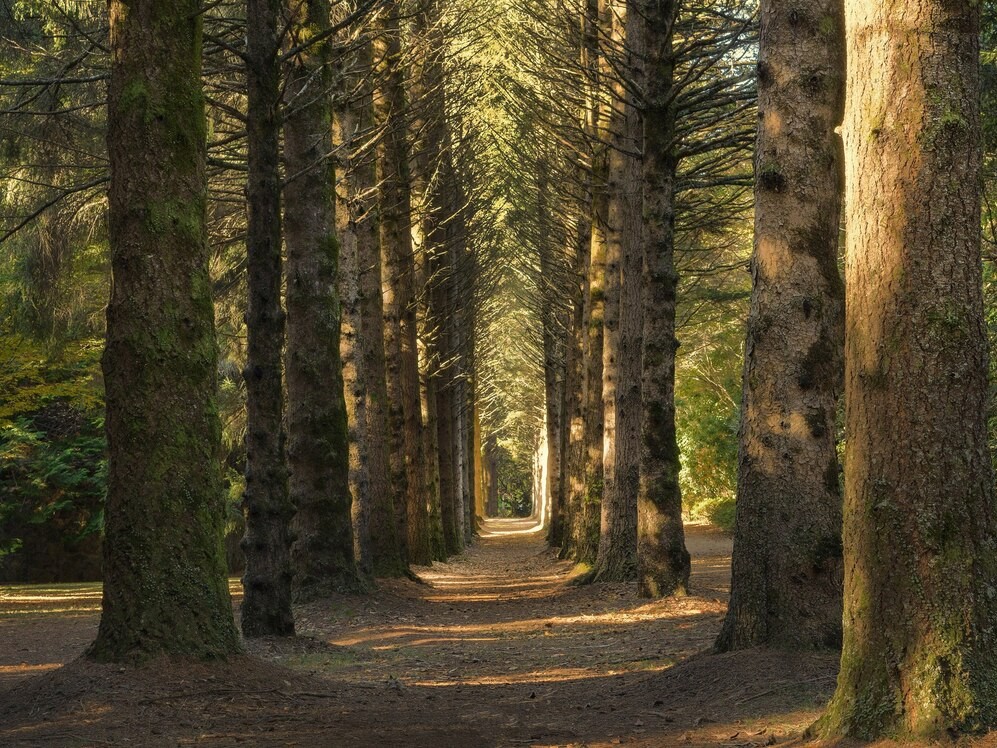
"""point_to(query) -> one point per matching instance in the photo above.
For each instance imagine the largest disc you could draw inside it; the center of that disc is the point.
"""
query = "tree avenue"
(372, 280)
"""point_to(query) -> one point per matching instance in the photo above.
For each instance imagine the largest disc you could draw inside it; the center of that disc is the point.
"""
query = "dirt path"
(495, 648)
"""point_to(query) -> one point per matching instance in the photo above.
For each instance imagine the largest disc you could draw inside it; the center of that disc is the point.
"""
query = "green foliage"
(52, 449)
(53, 472)
(515, 481)
(707, 397)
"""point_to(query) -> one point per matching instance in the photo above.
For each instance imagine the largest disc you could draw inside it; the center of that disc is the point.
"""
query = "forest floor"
(495, 648)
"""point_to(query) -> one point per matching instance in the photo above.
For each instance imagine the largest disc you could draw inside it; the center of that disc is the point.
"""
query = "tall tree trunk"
(478, 482)
(785, 580)
(318, 451)
(350, 214)
(553, 358)
(394, 207)
(165, 589)
(663, 561)
(491, 476)
(586, 423)
(575, 385)
(386, 553)
(919, 656)
(617, 556)
(429, 385)
(266, 607)
(408, 457)
(587, 529)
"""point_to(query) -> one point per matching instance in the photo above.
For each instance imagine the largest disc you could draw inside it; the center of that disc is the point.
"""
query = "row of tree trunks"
(620, 455)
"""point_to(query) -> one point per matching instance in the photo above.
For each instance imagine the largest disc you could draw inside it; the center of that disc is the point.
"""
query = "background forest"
(504, 69)
(428, 303)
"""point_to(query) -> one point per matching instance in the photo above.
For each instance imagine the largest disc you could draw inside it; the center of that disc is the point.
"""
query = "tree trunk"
(266, 607)
(662, 559)
(785, 580)
(617, 556)
(919, 656)
(349, 215)
(165, 589)
(394, 207)
(386, 555)
(575, 385)
(588, 526)
(318, 452)
(401, 349)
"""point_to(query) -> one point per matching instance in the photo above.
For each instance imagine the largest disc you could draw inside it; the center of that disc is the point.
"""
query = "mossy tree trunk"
(785, 581)
(165, 587)
(266, 606)
(318, 450)
(663, 561)
(919, 656)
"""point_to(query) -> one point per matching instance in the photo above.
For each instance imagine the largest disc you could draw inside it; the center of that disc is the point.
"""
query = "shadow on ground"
(495, 650)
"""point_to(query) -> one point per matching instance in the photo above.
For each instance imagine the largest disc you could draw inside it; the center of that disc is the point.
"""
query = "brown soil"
(494, 649)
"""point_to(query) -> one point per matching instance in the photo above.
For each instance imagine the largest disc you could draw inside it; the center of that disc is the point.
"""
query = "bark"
(394, 208)
(401, 351)
(318, 451)
(386, 554)
(266, 607)
(386, 559)
(575, 387)
(586, 531)
(617, 556)
(919, 657)
(662, 559)
(785, 580)
(586, 416)
(429, 400)
(491, 476)
(478, 465)
(349, 216)
(165, 589)
(553, 352)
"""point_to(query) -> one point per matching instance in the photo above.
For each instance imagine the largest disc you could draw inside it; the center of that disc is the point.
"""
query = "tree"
(617, 556)
(785, 588)
(266, 607)
(919, 656)
(165, 589)
(318, 449)
(662, 559)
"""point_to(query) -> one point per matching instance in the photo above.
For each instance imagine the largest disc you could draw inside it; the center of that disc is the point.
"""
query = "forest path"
(494, 648)
(503, 614)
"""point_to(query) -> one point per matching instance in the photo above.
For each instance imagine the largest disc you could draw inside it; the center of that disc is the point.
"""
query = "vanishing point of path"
(494, 648)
